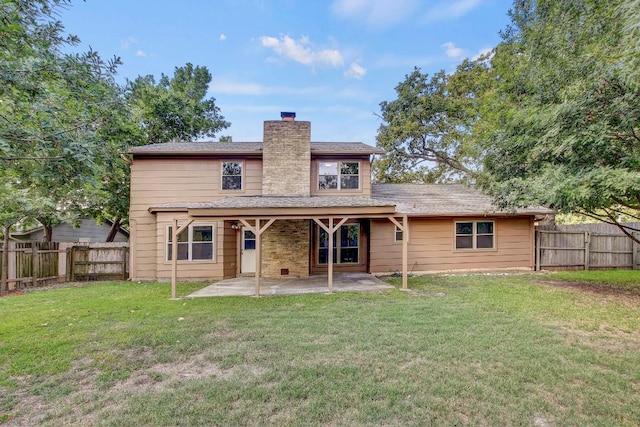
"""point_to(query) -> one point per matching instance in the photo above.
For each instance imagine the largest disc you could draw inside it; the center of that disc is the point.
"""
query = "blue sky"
(332, 62)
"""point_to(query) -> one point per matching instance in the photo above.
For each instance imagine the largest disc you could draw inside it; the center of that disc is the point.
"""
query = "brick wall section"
(286, 245)
(286, 158)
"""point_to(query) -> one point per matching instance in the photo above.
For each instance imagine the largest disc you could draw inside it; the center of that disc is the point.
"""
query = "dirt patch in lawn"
(603, 289)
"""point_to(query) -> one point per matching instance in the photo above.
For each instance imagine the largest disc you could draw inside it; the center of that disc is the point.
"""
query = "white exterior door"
(248, 252)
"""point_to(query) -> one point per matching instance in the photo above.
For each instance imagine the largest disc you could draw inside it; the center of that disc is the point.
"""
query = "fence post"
(634, 252)
(587, 244)
(34, 262)
(538, 249)
(12, 269)
(124, 263)
(70, 263)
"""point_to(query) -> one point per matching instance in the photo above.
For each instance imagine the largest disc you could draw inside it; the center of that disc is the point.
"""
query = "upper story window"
(194, 243)
(232, 175)
(475, 235)
(338, 175)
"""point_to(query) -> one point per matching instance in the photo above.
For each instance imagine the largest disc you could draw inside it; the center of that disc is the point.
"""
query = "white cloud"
(482, 52)
(223, 37)
(450, 10)
(141, 53)
(453, 51)
(128, 42)
(355, 71)
(376, 13)
(233, 87)
(301, 51)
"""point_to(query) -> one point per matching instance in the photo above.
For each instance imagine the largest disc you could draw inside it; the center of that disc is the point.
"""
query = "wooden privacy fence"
(98, 261)
(32, 264)
(585, 250)
(36, 264)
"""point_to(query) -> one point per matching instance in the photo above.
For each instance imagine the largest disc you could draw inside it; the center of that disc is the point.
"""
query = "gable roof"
(246, 148)
(444, 200)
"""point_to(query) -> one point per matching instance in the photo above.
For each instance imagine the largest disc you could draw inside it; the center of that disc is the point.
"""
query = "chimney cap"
(287, 116)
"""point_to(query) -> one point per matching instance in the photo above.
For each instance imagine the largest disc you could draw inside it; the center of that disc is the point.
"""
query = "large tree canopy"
(51, 104)
(567, 129)
(175, 109)
(426, 131)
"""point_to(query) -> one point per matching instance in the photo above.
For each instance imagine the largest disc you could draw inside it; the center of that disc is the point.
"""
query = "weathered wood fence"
(578, 248)
(98, 261)
(37, 264)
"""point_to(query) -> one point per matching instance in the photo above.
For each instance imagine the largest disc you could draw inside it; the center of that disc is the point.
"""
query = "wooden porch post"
(330, 230)
(330, 253)
(257, 231)
(258, 256)
(405, 251)
(174, 253)
(404, 227)
(174, 257)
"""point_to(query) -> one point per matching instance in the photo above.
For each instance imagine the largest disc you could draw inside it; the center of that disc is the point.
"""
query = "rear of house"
(288, 206)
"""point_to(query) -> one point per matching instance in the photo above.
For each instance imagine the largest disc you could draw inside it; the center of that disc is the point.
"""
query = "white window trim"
(339, 183)
(190, 243)
(222, 175)
(397, 230)
(339, 248)
(474, 235)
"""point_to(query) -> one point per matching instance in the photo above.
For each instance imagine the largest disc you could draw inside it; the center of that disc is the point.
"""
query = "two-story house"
(288, 206)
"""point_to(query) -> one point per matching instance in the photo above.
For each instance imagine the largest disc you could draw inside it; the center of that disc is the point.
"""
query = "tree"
(427, 130)
(567, 129)
(175, 109)
(51, 105)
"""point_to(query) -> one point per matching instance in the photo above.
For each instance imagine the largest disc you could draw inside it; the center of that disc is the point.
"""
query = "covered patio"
(258, 213)
(342, 282)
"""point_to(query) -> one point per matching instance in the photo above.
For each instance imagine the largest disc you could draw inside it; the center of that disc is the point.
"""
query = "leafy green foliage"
(427, 129)
(567, 132)
(175, 109)
(66, 127)
(51, 104)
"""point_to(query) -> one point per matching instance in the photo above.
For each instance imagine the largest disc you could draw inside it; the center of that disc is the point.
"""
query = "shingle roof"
(442, 199)
(280, 202)
(186, 148)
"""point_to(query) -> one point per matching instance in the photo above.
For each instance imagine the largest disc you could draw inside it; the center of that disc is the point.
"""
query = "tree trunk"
(115, 227)
(48, 232)
(5, 260)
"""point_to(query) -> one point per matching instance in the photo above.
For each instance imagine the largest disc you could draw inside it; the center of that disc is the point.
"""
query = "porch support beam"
(331, 229)
(175, 231)
(404, 227)
(257, 231)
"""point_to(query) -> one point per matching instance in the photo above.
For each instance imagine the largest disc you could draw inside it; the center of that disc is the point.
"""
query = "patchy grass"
(454, 350)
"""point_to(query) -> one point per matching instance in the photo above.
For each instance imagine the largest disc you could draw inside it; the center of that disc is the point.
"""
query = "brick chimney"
(286, 157)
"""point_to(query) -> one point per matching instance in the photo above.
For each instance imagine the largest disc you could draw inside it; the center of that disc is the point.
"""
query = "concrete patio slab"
(342, 282)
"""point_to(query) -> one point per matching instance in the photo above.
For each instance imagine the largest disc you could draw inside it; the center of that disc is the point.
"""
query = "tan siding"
(157, 181)
(230, 250)
(431, 247)
(188, 270)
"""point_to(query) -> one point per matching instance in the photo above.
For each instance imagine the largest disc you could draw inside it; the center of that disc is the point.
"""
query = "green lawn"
(523, 349)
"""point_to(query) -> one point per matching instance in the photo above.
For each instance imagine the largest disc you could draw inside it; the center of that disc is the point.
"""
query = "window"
(232, 175)
(474, 235)
(194, 243)
(397, 237)
(338, 175)
(345, 245)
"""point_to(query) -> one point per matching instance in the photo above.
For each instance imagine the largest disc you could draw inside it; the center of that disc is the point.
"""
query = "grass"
(521, 349)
